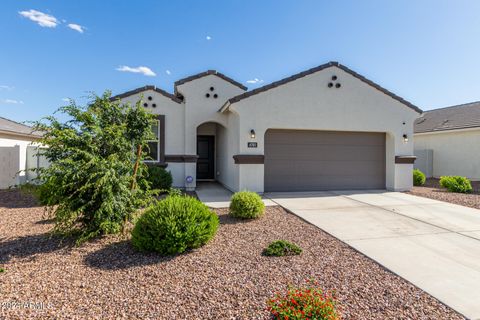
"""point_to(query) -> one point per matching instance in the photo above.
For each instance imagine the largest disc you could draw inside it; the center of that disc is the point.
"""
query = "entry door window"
(154, 145)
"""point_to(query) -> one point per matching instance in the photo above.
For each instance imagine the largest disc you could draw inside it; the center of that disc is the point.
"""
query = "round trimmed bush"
(159, 178)
(418, 178)
(246, 205)
(456, 184)
(174, 225)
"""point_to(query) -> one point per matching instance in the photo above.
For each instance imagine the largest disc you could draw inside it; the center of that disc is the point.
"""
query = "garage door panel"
(311, 160)
(335, 168)
(324, 152)
(327, 137)
(311, 168)
(323, 182)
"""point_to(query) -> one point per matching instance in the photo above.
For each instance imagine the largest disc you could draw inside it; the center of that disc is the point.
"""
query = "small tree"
(94, 169)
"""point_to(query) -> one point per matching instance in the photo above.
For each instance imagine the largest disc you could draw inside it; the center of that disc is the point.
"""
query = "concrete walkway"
(433, 244)
(216, 196)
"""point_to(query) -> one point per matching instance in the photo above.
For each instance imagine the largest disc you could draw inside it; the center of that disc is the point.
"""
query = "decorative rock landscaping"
(228, 278)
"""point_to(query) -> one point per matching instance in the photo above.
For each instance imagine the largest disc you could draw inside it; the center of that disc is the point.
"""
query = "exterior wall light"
(405, 138)
(252, 134)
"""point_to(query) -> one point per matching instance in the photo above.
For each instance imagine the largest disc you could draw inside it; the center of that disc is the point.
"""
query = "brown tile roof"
(145, 88)
(10, 126)
(207, 73)
(450, 118)
(313, 70)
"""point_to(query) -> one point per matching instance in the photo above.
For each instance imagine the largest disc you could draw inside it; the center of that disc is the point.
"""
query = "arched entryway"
(210, 138)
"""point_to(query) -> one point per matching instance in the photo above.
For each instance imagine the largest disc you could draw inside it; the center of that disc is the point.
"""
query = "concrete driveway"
(433, 244)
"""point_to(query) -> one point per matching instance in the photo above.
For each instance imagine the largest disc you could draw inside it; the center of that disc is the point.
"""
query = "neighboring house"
(327, 128)
(447, 141)
(18, 152)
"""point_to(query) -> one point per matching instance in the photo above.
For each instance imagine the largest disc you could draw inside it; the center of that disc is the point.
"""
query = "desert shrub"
(309, 302)
(418, 178)
(246, 205)
(2, 270)
(175, 192)
(174, 225)
(42, 192)
(456, 184)
(30, 189)
(159, 178)
(282, 248)
(95, 157)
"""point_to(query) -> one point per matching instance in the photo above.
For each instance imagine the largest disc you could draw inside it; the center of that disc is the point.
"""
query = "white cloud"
(76, 27)
(42, 19)
(65, 99)
(12, 101)
(143, 70)
(255, 81)
(9, 88)
(168, 72)
(208, 38)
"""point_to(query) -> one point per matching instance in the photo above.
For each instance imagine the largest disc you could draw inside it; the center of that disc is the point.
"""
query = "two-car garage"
(304, 160)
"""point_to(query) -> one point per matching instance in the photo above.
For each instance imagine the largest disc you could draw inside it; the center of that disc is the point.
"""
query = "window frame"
(160, 119)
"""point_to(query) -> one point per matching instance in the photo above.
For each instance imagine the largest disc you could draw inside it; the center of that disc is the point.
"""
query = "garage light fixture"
(252, 134)
(405, 138)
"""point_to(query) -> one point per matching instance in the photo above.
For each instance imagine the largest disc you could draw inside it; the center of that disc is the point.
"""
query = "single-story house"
(447, 141)
(327, 128)
(18, 152)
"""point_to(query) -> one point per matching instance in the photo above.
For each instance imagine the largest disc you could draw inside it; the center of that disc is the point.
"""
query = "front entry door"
(205, 161)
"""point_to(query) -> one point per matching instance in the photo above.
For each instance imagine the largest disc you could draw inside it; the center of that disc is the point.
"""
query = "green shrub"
(42, 192)
(174, 225)
(282, 248)
(309, 302)
(456, 184)
(2, 270)
(246, 205)
(159, 178)
(95, 166)
(418, 178)
(175, 192)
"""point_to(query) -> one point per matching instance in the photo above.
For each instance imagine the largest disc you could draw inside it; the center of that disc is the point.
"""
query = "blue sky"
(428, 52)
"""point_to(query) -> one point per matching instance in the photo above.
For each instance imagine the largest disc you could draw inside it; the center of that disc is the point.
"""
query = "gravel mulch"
(226, 279)
(432, 190)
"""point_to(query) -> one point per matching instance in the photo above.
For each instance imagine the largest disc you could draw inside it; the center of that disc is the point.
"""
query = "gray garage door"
(298, 160)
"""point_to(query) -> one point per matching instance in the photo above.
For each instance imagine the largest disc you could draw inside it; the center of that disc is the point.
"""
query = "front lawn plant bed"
(227, 278)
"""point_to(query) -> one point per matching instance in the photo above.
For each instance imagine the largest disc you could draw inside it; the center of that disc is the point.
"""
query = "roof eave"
(225, 107)
(208, 73)
(21, 134)
(145, 88)
(302, 74)
(448, 130)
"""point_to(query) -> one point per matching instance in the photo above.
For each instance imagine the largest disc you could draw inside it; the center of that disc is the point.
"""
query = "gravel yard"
(226, 279)
(432, 190)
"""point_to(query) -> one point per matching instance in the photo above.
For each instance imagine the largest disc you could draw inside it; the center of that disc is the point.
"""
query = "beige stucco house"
(447, 141)
(325, 128)
(18, 152)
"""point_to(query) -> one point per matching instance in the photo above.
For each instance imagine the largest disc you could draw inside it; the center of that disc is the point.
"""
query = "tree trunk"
(135, 168)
